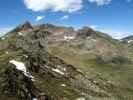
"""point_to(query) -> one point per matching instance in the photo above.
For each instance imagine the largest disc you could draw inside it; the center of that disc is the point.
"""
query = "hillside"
(49, 62)
(128, 41)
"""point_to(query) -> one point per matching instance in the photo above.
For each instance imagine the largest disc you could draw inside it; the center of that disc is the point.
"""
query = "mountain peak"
(22, 27)
(86, 31)
(25, 26)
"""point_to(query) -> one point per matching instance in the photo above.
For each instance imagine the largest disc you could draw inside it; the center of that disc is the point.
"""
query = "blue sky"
(114, 17)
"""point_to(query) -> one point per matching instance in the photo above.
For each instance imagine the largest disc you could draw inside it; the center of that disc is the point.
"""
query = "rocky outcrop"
(16, 84)
(34, 40)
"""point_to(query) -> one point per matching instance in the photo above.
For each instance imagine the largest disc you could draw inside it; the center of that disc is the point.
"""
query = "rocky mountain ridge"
(66, 65)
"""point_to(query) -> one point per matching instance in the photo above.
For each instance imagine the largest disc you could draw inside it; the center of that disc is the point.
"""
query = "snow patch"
(58, 71)
(21, 66)
(109, 82)
(3, 38)
(7, 52)
(58, 66)
(81, 98)
(29, 76)
(64, 69)
(25, 56)
(82, 93)
(129, 41)
(34, 99)
(58, 33)
(95, 81)
(68, 37)
(63, 85)
(94, 40)
(20, 33)
(89, 37)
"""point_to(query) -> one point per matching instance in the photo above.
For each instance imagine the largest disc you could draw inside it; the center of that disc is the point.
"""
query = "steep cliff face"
(46, 62)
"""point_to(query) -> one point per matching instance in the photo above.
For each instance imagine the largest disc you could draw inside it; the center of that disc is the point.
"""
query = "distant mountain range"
(128, 41)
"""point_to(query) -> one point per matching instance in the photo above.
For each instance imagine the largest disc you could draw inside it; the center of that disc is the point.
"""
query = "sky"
(114, 17)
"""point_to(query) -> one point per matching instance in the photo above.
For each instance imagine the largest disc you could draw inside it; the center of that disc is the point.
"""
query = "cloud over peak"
(54, 5)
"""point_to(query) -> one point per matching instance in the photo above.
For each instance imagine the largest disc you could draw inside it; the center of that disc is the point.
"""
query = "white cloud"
(93, 26)
(38, 18)
(65, 17)
(54, 5)
(100, 2)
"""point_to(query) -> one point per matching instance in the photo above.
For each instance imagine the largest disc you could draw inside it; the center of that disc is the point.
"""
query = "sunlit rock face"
(33, 40)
